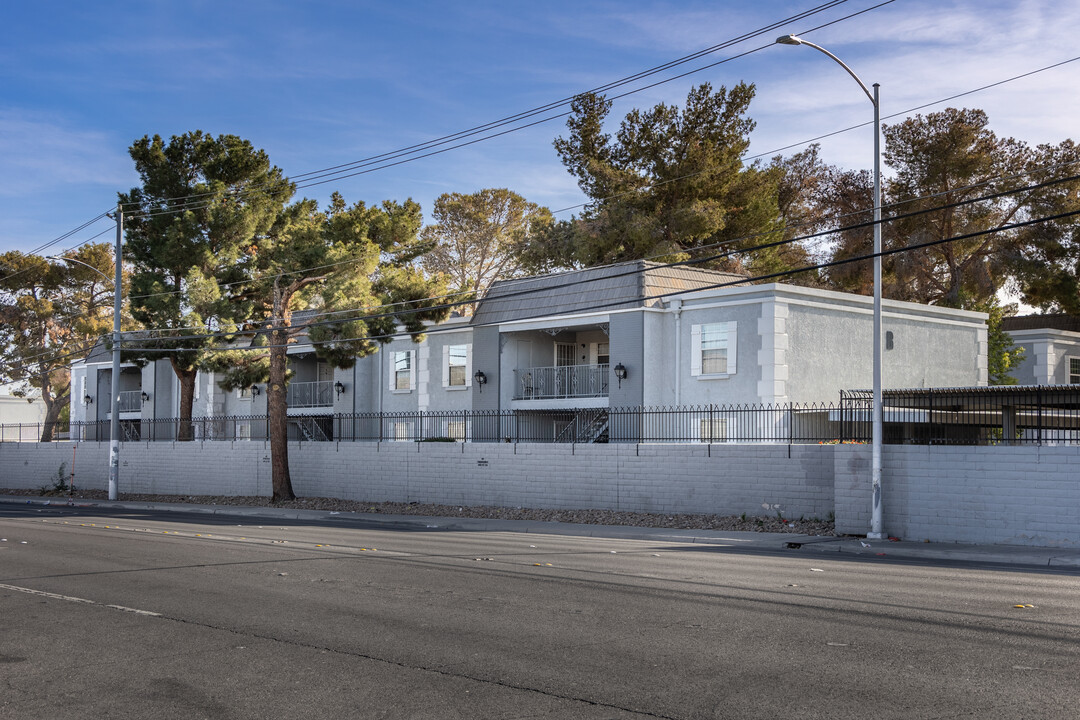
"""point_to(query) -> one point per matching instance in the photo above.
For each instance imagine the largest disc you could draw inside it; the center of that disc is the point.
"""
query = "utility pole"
(114, 425)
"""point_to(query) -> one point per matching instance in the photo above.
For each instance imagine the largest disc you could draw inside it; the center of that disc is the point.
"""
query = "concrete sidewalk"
(1014, 555)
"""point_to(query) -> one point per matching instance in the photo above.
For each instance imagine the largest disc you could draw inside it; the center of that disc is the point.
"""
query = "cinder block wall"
(649, 478)
(1007, 495)
(1028, 495)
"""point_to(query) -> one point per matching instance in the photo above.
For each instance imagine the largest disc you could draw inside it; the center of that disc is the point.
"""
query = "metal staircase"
(588, 426)
(309, 429)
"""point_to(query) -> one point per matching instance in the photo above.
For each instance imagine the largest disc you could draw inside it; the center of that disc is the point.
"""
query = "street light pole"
(114, 425)
(876, 523)
(114, 421)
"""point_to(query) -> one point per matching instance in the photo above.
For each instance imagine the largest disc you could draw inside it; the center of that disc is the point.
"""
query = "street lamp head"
(789, 40)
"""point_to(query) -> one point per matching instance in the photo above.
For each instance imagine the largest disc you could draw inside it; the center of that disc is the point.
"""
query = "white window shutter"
(732, 346)
(392, 357)
(695, 350)
(446, 366)
(468, 365)
(412, 370)
(197, 378)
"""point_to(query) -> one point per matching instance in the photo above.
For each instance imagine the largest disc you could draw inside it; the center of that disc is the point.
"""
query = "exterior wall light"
(87, 400)
(254, 391)
(145, 397)
(339, 388)
(620, 373)
(480, 379)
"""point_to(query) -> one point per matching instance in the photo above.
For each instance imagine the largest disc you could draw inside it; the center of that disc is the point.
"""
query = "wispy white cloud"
(42, 152)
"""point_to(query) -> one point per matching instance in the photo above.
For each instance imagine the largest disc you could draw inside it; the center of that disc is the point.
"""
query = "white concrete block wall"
(726, 479)
(1026, 495)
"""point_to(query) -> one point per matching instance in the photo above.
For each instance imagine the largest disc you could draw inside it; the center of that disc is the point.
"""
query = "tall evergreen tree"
(670, 181)
(1046, 261)
(353, 267)
(939, 160)
(191, 228)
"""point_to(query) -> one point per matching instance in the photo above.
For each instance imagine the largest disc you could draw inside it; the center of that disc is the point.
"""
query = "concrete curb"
(1013, 555)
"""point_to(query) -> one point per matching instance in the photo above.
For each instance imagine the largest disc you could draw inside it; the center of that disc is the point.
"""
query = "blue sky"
(318, 84)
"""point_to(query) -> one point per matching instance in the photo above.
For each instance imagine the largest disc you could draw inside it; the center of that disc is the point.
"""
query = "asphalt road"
(144, 615)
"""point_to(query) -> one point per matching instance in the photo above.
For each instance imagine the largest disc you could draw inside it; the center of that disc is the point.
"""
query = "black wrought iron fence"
(968, 416)
(1000, 415)
(697, 424)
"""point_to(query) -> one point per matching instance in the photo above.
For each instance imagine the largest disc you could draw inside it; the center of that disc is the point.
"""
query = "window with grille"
(403, 370)
(1074, 371)
(457, 358)
(455, 429)
(603, 353)
(713, 349)
(714, 430)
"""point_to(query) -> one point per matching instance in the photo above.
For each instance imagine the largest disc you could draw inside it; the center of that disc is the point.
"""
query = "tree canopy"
(52, 313)
(669, 182)
(481, 237)
(191, 227)
(350, 269)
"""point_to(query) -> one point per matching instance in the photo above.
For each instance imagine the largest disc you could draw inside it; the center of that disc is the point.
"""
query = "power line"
(445, 139)
(690, 262)
(715, 286)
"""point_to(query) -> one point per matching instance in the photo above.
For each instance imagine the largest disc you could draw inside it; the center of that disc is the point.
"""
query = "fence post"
(1039, 404)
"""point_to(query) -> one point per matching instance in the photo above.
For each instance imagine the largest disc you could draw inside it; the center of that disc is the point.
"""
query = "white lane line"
(133, 610)
(69, 598)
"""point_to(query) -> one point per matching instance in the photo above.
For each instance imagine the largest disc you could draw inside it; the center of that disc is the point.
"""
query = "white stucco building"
(627, 335)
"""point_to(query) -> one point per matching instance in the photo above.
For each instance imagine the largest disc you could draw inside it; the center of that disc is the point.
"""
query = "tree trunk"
(52, 419)
(185, 432)
(277, 408)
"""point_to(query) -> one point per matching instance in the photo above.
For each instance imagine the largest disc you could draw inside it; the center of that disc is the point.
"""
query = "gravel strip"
(765, 523)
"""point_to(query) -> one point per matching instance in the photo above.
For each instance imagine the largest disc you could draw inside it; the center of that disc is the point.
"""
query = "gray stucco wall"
(740, 388)
(486, 358)
(830, 350)
(1046, 356)
(627, 342)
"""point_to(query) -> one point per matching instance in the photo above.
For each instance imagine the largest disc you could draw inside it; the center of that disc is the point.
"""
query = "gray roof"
(102, 349)
(613, 287)
(1041, 322)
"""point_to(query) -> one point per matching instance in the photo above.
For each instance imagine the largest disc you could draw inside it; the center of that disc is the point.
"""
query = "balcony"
(569, 381)
(130, 401)
(310, 394)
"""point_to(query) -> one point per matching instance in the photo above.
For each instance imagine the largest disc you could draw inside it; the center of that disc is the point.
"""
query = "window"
(1074, 371)
(713, 349)
(714, 430)
(456, 366)
(603, 354)
(401, 377)
(455, 429)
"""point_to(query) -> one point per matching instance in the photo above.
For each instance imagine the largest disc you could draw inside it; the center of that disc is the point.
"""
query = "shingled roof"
(1041, 322)
(613, 287)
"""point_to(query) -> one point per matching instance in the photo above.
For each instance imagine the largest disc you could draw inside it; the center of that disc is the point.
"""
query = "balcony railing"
(130, 401)
(570, 381)
(310, 394)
